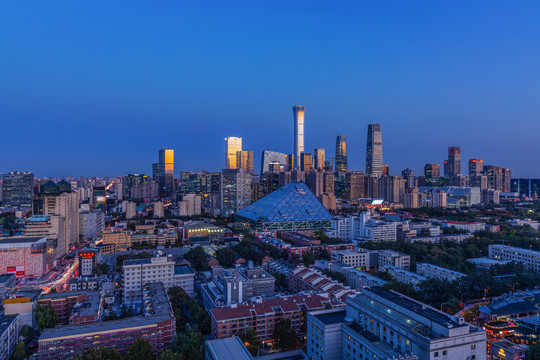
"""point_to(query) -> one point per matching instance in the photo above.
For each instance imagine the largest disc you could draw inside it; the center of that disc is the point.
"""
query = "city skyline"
(424, 77)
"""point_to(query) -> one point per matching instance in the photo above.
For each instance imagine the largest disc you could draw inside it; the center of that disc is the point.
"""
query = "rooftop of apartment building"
(270, 306)
(71, 331)
(428, 265)
(21, 239)
(67, 294)
(183, 269)
(6, 321)
(323, 283)
(89, 306)
(155, 299)
(398, 302)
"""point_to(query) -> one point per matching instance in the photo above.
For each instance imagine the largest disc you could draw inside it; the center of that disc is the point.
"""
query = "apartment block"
(304, 279)
(403, 276)
(529, 258)
(137, 273)
(261, 316)
(437, 272)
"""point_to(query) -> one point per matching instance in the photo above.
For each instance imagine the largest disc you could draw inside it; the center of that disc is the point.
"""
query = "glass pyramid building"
(292, 207)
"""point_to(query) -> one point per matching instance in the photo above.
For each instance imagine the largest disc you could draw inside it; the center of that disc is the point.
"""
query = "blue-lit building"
(292, 207)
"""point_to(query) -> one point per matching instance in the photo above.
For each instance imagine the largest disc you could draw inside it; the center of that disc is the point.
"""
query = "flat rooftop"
(137, 262)
(375, 341)
(66, 294)
(80, 331)
(21, 239)
(416, 307)
(182, 269)
(332, 317)
(6, 321)
(88, 307)
(228, 348)
(155, 299)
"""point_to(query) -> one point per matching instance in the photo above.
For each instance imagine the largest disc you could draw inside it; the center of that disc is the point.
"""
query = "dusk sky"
(97, 87)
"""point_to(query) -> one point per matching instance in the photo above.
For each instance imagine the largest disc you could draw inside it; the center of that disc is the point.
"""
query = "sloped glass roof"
(292, 202)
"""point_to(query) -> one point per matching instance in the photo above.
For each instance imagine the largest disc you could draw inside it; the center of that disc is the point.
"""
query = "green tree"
(197, 257)
(308, 258)
(20, 351)
(45, 317)
(141, 349)
(284, 335)
(27, 332)
(189, 343)
(534, 351)
(226, 257)
(169, 355)
(251, 341)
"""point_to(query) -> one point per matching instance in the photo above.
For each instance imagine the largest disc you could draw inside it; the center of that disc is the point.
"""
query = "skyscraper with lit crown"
(374, 154)
(299, 145)
(232, 146)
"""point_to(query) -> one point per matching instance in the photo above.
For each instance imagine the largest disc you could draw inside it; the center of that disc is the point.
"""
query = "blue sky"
(97, 87)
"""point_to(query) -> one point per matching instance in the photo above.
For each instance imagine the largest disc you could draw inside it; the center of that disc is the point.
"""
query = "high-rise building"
(244, 160)
(386, 170)
(341, 153)
(159, 209)
(232, 146)
(166, 170)
(354, 185)
(272, 157)
(99, 198)
(289, 162)
(432, 171)
(235, 191)
(65, 205)
(319, 159)
(453, 164)
(306, 162)
(495, 177)
(410, 180)
(299, 145)
(18, 189)
(476, 167)
(374, 154)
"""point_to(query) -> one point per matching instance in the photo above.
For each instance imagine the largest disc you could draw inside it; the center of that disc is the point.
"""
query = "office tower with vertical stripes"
(299, 145)
(341, 153)
(374, 154)
(166, 170)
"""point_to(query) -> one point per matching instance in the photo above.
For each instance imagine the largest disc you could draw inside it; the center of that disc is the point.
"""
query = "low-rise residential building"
(470, 227)
(22, 303)
(394, 258)
(485, 264)
(357, 279)
(357, 258)
(309, 279)
(381, 324)
(157, 325)
(74, 307)
(438, 272)
(184, 277)
(403, 276)
(237, 285)
(261, 316)
(137, 273)
(529, 258)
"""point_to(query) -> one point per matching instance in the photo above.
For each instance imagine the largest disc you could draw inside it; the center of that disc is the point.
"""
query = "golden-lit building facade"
(166, 170)
(232, 146)
(299, 145)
